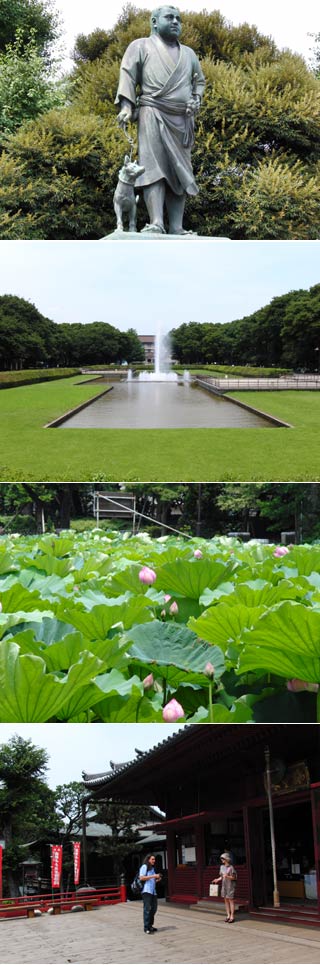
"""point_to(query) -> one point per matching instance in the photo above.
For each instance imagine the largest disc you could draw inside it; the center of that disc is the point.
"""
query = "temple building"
(221, 787)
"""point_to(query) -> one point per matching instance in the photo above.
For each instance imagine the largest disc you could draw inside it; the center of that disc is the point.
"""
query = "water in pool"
(162, 405)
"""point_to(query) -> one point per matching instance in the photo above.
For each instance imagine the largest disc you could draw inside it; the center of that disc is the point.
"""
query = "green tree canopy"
(123, 821)
(29, 339)
(27, 84)
(25, 17)
(26, 804)
(286, 332)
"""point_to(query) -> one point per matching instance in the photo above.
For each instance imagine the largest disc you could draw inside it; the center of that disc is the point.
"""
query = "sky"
(289, 25)
(74, 748)
(154, 285)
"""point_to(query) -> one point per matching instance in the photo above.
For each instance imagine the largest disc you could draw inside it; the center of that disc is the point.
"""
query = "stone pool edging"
(78, 408)
(278, 423)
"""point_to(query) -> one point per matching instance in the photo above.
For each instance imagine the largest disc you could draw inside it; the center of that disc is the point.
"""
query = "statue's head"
(166, 23)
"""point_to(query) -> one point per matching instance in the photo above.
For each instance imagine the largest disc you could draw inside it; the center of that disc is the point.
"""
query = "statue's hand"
(193, 105)
(124, 117)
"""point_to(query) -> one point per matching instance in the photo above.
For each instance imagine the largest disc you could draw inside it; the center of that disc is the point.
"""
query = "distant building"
(148, 343)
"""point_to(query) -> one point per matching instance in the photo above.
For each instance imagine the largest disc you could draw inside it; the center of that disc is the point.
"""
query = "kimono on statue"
(166, 129)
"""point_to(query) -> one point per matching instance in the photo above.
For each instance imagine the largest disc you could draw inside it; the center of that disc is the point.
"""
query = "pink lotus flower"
(172, 711)
(167, 597)
(147, 576)
(281, 551)
(198, 554)
(148, 681)
(209, 669)
(173, 609)
(295, 686)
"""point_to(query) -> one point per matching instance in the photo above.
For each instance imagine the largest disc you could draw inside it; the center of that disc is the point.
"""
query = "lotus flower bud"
(198, 555)
(172, 711)
(148, 681)
(163, 614)
(167, 597)
(295, 686)
(281, 551)
(173, 609)
(209, 669)
(147, 576)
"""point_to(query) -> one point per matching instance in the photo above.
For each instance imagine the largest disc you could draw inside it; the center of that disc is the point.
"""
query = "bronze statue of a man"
(171, 85)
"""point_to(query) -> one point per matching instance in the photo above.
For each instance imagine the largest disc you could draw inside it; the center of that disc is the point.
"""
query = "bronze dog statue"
(124, 198)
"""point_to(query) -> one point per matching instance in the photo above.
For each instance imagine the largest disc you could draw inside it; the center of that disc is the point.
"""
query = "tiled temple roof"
(93, 781)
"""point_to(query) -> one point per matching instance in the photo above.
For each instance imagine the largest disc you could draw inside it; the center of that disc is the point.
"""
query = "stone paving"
(115, 935)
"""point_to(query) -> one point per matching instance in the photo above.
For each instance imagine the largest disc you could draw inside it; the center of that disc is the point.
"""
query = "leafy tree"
(90, 47)
(58, 501)
(284, 333)
(68, 802)
(281, 507)
(28, 339)
(209, 33)
(25, 17)
(68, 799)
(26, 336)
(26, 804)
(158, 502)
(130, 348)
(300, 331)
(316, 54)
(27, 85)
(123, 821)
(256, 157)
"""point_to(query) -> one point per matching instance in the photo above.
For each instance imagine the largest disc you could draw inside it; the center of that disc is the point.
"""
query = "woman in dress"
(228, 877)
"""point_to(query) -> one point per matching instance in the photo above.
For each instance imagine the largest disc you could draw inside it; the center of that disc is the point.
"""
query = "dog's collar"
(125, 180)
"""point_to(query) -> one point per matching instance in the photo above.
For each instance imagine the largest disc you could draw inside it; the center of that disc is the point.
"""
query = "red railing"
(62, 900)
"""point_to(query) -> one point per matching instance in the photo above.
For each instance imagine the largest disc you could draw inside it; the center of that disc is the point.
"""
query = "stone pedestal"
(155, 236)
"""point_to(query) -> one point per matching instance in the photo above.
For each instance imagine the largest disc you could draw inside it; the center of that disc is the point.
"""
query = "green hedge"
(23, 524)
(10, 380)
(248, 371)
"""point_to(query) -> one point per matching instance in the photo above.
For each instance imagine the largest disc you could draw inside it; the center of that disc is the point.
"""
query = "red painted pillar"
(123, 889)
(171, 862)
(200, 858)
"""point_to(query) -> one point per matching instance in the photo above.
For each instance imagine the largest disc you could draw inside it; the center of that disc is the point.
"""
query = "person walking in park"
(171, 85)
(228, 878)
(149, 876)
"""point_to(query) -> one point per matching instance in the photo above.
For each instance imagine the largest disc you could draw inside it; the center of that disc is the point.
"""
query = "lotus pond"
(115, 628)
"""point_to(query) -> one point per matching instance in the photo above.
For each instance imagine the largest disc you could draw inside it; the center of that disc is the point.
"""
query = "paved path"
(114, 935)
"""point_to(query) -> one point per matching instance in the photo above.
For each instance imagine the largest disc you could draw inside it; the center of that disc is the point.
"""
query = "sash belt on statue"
(177, 109)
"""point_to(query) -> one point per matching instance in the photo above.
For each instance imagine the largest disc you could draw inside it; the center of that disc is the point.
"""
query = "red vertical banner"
(1, 870)
(56, 865)
(76, 861)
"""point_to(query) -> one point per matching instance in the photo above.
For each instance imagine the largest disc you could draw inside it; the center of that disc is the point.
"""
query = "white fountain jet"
(162, 362)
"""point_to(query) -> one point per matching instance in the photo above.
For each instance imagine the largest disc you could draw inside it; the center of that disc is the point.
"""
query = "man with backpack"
(149, 878)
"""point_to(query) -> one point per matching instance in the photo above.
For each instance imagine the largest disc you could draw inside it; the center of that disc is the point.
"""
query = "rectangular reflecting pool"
(163, 405)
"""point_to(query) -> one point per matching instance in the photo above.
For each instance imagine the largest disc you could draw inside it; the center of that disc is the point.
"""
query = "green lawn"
(31, 452)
